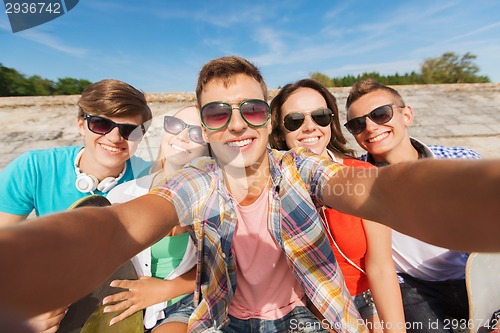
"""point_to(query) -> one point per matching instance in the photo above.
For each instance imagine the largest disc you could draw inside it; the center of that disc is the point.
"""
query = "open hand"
(139, 295)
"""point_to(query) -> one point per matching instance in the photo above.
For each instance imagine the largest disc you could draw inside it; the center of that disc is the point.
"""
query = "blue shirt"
(44, 181)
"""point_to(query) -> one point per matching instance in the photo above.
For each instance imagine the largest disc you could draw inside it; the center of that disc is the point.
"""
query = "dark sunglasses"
(101, 125)
(175, 126)
(216, 115)
(379, 116)
(293, 121)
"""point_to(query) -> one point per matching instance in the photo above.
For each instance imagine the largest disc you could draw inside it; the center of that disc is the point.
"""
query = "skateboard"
(482, 277)
(86, 315)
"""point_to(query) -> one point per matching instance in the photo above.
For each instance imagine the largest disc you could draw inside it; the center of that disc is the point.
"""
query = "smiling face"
(310, 135)
(105, 155)
(387, 140)
(177, 150)
(238, 145)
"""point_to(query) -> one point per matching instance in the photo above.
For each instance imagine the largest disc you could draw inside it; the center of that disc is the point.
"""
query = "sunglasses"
(293, 121)
(379, 116)
(101, 125)
(217, 115)
(175, 126)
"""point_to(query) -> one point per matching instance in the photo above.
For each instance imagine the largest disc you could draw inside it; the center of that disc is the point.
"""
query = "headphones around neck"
(88, 183)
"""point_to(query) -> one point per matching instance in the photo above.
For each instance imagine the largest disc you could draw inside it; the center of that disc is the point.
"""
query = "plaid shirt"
(201, 199)
(433, 151)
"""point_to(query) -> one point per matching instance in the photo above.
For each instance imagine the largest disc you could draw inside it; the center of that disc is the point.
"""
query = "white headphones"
(89, 183)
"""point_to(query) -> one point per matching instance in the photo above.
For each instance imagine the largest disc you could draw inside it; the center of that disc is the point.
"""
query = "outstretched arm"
(453, 204)
(59, 258)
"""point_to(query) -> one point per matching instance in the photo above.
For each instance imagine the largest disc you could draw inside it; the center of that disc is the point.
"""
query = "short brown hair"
(337, 142)
(225, 68)
(362, 88)
(113, 98)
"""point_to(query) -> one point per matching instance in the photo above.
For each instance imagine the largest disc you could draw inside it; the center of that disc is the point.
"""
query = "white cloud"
(52, 42)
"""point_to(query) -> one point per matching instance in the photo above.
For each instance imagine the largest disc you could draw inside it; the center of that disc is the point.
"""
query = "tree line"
(448, 68)
(13, 83)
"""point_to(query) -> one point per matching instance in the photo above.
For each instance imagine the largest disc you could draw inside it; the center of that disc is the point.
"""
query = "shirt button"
(224, 255)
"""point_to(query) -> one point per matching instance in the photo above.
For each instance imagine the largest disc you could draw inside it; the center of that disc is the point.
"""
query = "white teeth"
(378, 137)
(109, 148)
(309, 140)
(239, 143)
(178, 148)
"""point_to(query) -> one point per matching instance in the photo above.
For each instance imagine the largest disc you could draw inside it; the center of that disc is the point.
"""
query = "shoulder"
(453, 152)
(48, 157)
(138, 166)
(352, 162)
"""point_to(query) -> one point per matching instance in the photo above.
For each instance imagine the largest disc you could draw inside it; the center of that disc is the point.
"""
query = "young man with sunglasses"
(432, 279)
(229, 201)
(111, 118)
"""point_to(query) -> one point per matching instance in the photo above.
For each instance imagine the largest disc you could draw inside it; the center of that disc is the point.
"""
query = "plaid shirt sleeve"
(185, 190)
(315, 171)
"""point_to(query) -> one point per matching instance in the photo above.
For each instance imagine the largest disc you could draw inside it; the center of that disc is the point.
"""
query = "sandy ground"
(452, 115)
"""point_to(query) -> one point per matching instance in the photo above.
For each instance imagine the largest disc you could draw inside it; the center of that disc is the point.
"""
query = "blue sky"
(160, 46)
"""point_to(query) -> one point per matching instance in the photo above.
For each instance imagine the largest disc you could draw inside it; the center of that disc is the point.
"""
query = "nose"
(370, 125)
(309, 125)
(183, 135)
(237, 124)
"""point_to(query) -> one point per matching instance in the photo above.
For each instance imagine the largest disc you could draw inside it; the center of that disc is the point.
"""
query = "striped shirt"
(298, 178)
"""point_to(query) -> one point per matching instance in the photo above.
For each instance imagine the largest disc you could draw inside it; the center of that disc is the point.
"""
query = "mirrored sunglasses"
(293, 121)
(174, 125)
(102, 126)
(379, 116)
(217, 115)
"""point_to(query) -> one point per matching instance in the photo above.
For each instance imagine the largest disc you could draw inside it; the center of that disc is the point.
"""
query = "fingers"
(48, 322)
(122, 316)
(118, 297)
(117, 307)
(124, 284)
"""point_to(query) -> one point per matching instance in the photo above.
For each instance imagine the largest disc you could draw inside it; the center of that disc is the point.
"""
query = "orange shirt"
(349, 234)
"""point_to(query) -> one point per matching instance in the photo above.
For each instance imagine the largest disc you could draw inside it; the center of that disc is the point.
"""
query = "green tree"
(451, 68)
(323, 79)
(12, 83)
(39, 86)
(70, 86)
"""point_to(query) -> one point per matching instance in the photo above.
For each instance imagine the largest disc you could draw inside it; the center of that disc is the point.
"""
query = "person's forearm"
(9, 219)
(453, 204)
(55, 260)
(387, 297)
(184, 284)
(24, 250)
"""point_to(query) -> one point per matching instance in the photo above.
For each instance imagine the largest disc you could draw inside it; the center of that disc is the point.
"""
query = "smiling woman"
(167, 284)
(305, 114)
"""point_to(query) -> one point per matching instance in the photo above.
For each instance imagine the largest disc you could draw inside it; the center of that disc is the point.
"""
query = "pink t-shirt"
(266, 287)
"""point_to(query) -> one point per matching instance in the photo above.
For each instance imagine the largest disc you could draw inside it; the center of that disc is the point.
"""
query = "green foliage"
(322, 78)
(70, 86)
(449, 68)
(13, 83)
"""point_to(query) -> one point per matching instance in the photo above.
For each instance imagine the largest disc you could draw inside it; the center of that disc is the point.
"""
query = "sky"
(160, 46)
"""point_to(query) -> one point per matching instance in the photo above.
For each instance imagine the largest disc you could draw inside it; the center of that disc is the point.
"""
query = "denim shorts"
(300, 319)
(178, 312)
(365, 305)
